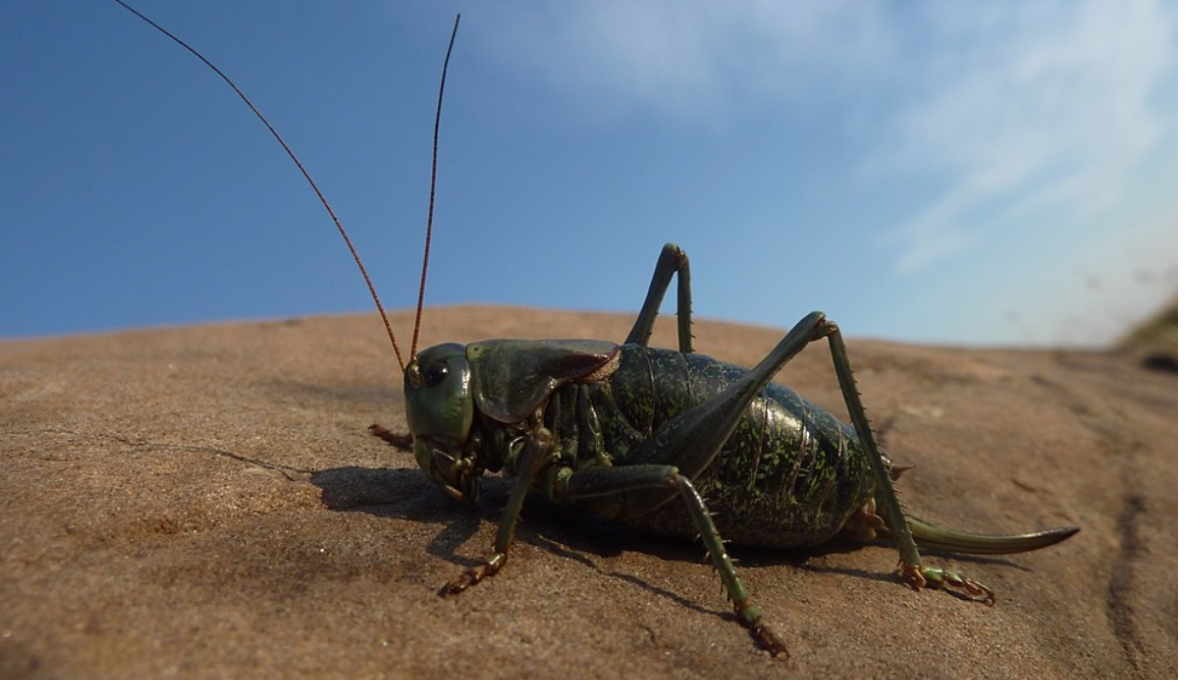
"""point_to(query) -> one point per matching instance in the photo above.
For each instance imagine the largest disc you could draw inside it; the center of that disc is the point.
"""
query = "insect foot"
(474, 575)
(765, 637)
(534, 450)
(918, 577)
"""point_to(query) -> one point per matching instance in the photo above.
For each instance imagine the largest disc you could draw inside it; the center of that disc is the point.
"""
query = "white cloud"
(687, 59)
(1008, 110)
(1050, 108)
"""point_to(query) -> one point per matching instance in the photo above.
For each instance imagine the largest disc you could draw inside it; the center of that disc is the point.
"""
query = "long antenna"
(317, 190)
(437, 123)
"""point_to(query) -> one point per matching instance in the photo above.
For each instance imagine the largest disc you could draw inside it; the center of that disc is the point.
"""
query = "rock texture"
(207, 502)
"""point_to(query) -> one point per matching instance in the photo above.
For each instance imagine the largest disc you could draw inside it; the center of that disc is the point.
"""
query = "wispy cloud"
(1001, 109)
(688, 59)
(1047, 107)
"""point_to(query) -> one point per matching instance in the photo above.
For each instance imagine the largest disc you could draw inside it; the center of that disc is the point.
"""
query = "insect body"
(659, 439)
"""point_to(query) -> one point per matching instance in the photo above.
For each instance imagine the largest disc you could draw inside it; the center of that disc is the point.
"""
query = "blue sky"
(968, 173)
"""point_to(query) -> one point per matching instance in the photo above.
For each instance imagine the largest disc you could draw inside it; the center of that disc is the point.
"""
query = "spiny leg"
(693, 439)
(671, 261)
(915, 574)
(537, 449)
(595, 483)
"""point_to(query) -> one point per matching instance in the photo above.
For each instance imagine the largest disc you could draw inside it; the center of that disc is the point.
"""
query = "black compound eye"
(435, 375)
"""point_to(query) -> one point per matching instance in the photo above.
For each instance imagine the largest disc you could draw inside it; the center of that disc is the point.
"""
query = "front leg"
(538, 447)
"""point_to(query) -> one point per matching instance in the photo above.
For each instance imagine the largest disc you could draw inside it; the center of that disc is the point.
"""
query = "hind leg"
(671, 261)
(914, 573)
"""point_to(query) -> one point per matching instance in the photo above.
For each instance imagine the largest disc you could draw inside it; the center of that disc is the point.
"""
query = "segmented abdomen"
(789, 475)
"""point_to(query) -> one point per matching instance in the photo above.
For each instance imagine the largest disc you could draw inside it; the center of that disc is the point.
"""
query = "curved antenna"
(437, 123)
(311, 183)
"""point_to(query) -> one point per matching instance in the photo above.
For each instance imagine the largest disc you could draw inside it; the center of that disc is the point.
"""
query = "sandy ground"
(207, 502)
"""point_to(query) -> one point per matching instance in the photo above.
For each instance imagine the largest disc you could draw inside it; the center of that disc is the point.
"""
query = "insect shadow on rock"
(658, 439)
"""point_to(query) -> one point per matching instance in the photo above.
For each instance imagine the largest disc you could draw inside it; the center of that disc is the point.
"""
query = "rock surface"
(207, 502)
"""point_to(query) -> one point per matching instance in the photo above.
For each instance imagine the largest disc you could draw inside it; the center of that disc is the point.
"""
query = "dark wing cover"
(511, 378)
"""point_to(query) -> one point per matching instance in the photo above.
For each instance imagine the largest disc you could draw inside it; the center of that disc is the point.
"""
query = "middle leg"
(599, 482)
